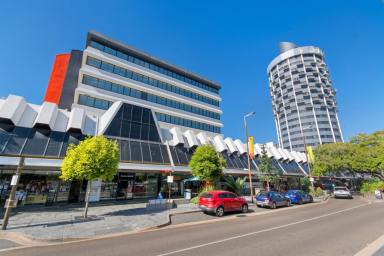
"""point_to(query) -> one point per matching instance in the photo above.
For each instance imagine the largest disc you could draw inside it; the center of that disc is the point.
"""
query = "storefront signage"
(15, 178)
(169, 179)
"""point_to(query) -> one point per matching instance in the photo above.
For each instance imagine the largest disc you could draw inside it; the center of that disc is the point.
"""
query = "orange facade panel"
(56, 81)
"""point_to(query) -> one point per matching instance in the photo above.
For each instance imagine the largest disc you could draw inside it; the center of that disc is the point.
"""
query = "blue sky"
(230, 42)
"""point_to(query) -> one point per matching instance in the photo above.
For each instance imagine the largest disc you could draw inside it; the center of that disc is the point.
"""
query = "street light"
(306, 153)
(248, 156)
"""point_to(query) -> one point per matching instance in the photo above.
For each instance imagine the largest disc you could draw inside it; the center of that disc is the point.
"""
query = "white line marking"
(260, 231)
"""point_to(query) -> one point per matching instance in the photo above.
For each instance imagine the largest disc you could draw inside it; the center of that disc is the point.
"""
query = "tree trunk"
(268, 185)
(87, 195)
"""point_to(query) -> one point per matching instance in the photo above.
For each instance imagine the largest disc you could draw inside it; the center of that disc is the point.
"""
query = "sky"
(229, 42)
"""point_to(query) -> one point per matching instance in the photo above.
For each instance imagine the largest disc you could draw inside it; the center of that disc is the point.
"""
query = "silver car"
(342, 192)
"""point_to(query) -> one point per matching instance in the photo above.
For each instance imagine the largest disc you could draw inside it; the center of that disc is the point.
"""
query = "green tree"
(305, 183)
(234, 185)
(269, 174)
(363, 154)
(207, 165)
(93, 158)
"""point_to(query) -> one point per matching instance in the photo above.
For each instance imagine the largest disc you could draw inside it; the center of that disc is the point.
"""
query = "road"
(339, 227)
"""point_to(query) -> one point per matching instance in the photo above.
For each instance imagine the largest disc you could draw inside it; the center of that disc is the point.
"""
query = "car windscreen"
(341, 188)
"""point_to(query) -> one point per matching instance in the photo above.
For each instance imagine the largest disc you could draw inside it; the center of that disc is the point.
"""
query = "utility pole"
(248, 156)
(11, 202)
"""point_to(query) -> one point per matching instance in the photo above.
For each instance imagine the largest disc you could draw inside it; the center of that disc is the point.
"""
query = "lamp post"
(306, 153)
(248, 156)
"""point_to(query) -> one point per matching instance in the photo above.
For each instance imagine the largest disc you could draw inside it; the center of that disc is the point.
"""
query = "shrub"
(369, 187)
(316, 192)
(195, 200)
(305, 183)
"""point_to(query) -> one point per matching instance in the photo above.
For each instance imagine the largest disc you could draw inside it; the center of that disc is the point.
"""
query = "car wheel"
(220, 211)
(244, 208)
(311, 199)
(273, 206)
(259, 206)
(288, 203)
(301, 201)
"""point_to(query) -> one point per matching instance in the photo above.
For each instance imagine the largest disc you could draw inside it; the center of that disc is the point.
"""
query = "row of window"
(186, 122)
(148, 80)
(120, 89)
(151, 66)
(94, 102)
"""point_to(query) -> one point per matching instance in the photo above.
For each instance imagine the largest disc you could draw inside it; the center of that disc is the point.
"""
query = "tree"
(207, 165)
(268, 171)
(234, 185)
(363, 154)
(93, 158)
(305, 183)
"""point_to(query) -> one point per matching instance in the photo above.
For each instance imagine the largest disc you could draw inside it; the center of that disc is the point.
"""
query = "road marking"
(260, 231)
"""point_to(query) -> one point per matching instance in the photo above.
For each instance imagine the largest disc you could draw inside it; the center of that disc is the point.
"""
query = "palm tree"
(234, 185)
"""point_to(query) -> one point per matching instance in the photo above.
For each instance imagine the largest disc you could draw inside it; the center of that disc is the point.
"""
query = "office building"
(158, 114)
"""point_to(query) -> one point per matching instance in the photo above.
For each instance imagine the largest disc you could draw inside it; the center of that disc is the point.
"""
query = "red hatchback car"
(219, 202)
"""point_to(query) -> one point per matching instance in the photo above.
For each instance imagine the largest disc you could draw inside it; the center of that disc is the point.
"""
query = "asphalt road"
(339, 227)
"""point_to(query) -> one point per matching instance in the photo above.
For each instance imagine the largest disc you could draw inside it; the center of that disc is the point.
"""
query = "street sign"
(14, 180)
(169, 179)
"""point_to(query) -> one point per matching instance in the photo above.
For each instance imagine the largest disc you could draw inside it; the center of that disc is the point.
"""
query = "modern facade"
(303, 99)
(158, 114)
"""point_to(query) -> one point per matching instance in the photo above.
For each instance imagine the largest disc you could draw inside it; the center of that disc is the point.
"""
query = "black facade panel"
(71, 80)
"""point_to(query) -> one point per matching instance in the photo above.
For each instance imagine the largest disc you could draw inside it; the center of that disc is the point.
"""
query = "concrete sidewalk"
(66, 223)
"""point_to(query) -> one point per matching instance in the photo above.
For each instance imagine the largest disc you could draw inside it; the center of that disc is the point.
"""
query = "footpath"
(65, 222)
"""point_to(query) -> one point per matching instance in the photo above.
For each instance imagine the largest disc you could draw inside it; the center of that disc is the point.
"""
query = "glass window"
(4, 136)
(93, 62)
(124, 151)
(155, 153)
(54, 144)
(37, 142)
(135, 131)
(135, 151)
(144, 132)
(97, 45)
(136, 114)
(146, 152)
(16, 141)
(125, 129)
(164, 153)
(153, 134)
(107, 67)
(146, 116)
(110, 50)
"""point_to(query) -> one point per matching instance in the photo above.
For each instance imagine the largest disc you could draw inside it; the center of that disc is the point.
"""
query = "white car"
(342, 192)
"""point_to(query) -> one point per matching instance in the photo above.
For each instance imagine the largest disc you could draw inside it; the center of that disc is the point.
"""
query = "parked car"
(220, 202)
(342, 192)
(272, 200)
(298, 196)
